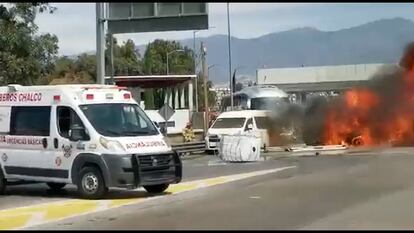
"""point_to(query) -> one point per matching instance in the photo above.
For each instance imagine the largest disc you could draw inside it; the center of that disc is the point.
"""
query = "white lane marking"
(217, 163)
(103, 205)
(36, 218)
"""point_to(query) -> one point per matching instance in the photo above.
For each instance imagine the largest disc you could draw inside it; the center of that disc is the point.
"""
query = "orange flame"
(362, 118)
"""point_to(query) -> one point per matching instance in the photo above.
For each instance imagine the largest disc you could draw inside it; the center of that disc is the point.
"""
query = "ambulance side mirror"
(156, 124)
(77, 133)
(250, 127)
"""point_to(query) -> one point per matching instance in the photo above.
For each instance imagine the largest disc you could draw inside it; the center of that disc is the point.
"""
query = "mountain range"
(380, 41)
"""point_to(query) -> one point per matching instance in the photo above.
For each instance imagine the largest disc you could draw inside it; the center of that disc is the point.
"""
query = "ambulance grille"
(155, 162)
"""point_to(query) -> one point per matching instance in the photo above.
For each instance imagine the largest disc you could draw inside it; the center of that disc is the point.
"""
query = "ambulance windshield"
(119, 120)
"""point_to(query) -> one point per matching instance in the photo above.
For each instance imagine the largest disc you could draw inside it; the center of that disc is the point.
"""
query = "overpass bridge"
(319, 78)
(301, 81)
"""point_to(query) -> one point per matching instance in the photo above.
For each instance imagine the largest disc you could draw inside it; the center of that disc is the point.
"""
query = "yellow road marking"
(181, 187)
(117, 203)
(18, 218)
(12, 222)
(215, 181)
(54, 212)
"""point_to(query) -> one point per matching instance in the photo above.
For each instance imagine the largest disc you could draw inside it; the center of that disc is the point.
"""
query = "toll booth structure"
(302, 82)
(175, 88)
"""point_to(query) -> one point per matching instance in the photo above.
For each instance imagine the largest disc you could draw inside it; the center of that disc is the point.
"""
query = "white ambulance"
(93, 136)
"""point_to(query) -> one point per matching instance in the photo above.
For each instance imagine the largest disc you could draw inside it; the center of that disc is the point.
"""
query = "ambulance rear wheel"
(91, 184)
(2, 184)
(56, 186)
(159, 188)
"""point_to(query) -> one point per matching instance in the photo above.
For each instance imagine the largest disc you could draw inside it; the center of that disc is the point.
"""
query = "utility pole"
(229, 43)
(168, 69)
(100, 44)
(206, 108)
(195, 67)
(112, 58)
(195, 70)
(234, 75)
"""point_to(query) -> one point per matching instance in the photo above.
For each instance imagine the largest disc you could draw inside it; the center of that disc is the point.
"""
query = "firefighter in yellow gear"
(188, 133)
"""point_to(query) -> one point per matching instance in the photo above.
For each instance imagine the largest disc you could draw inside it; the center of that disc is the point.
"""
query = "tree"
(83, 68)
(155, 58)
(127, 59)
(149, 99)
(200, 94)
(238, 86)
(25, 56)
(86, 65)
(73, 71)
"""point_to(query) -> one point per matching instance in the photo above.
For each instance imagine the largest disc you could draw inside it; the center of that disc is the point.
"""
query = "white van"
(93, 136)
(238, 123)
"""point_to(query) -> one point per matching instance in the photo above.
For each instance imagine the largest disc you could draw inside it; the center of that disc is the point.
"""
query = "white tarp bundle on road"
(240, 148)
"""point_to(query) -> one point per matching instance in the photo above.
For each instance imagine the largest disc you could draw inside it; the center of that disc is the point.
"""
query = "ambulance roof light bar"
(56, 98)
(13, 87)
(105, 87)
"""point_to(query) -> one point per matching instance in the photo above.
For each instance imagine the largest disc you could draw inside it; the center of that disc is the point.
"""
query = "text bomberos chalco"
(20, 97)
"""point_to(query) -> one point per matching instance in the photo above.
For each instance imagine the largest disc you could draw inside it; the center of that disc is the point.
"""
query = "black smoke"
(388, 84)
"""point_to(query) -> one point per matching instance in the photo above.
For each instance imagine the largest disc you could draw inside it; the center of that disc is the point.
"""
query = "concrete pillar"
(190, 96)
(182, 104)
(136, 93)
(170, 100)
(176, 103)
(165, 95)
(303, 97)
(297, 95)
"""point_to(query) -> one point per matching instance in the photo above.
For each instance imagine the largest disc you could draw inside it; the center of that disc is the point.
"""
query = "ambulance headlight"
(111, 144)
(165, 139)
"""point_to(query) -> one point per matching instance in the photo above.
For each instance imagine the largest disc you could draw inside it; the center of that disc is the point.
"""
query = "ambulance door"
(28, 154)
(65, 150)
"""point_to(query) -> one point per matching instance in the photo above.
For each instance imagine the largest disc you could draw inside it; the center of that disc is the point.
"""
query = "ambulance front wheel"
(159, 188)
(91, 184)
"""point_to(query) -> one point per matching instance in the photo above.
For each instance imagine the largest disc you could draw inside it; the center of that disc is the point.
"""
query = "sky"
(74, 23)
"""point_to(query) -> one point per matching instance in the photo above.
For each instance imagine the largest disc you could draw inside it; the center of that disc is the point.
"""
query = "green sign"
(152, 17)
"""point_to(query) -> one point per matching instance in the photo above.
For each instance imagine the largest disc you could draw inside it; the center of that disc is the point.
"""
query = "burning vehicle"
(381, 112)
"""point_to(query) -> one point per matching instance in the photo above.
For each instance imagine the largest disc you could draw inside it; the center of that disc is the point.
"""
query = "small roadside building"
(177, 93)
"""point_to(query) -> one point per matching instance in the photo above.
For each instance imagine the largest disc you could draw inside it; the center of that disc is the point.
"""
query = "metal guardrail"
(189, 147)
